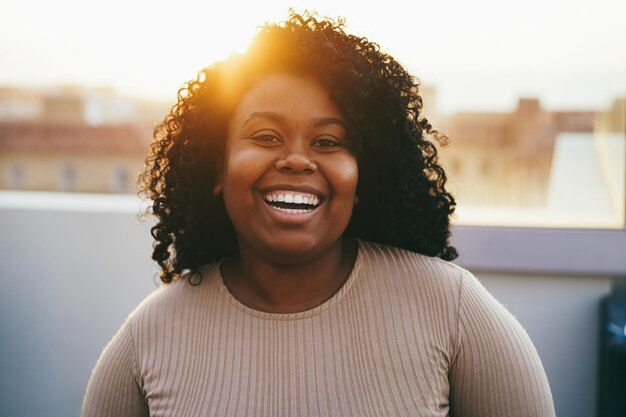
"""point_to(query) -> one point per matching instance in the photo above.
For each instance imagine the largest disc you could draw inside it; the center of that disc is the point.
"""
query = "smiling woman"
(302, 233)
(287, 141)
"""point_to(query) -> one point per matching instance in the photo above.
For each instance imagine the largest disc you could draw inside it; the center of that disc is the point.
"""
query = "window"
(68, 177)
(16, 176)
(121, 182)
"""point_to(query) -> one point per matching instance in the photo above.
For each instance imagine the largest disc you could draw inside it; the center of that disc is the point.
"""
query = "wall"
(561, 315)
(68, 280)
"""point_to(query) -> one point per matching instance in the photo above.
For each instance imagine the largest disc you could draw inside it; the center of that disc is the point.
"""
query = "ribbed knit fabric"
(407, 335)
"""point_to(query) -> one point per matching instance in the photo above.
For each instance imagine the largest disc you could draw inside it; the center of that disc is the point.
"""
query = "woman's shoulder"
(401, 274)
(432, 281)
(391, 260)
(176, 297)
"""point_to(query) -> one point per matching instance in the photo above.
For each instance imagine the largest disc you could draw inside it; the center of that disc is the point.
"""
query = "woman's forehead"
(278, 97)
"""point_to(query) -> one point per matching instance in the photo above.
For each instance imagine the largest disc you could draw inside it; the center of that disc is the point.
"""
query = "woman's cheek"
(347, 173)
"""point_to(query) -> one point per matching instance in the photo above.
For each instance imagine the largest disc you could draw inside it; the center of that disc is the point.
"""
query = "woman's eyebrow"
(281, 118)
(268, 115)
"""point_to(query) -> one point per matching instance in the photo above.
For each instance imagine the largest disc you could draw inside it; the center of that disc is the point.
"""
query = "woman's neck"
(273, 287)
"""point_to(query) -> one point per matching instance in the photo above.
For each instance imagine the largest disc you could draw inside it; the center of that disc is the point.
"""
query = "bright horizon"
(480, 55)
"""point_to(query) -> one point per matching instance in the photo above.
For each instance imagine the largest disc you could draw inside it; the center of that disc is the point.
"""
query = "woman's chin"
(296, 250)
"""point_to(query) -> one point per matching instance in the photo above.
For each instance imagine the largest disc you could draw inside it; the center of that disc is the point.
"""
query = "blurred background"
(532, 95)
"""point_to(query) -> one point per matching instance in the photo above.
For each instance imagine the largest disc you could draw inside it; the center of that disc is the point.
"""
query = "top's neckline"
(216, 274)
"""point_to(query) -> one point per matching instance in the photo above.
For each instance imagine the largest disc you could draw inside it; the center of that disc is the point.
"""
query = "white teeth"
(293, 198)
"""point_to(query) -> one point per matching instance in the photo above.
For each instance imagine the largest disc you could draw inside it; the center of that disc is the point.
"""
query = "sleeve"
(114, 389)
(497, 371)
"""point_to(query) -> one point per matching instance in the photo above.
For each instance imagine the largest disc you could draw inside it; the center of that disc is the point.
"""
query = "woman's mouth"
(292, 201)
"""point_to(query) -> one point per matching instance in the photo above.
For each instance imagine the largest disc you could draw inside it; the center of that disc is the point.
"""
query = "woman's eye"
(327, 142)
(267, 138)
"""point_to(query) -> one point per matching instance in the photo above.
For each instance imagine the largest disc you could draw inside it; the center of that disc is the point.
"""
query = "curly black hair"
(401, 187)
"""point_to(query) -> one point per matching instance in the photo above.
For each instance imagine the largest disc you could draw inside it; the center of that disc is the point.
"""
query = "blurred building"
(506, 159)
(18, 104)
(73, 139)
(66, 157)
(75, 104)
(614, 119)
(93, 140)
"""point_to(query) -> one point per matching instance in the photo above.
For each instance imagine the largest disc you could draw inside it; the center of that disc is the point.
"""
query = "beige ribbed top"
(407, 335)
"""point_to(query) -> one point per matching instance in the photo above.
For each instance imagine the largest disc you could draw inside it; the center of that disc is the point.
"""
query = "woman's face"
(289, 176)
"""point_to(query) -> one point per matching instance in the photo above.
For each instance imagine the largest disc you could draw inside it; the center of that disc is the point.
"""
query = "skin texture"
(287, 134)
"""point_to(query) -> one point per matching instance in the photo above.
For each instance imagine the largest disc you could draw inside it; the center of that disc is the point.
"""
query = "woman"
(302, 232)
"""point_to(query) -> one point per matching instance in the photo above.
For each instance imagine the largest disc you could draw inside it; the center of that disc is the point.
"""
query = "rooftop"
(52, 137)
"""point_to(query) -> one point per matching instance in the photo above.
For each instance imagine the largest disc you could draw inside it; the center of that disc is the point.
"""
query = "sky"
(481, 54)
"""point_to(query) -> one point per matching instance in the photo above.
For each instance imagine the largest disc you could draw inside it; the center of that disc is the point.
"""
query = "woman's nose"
(296, 162)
